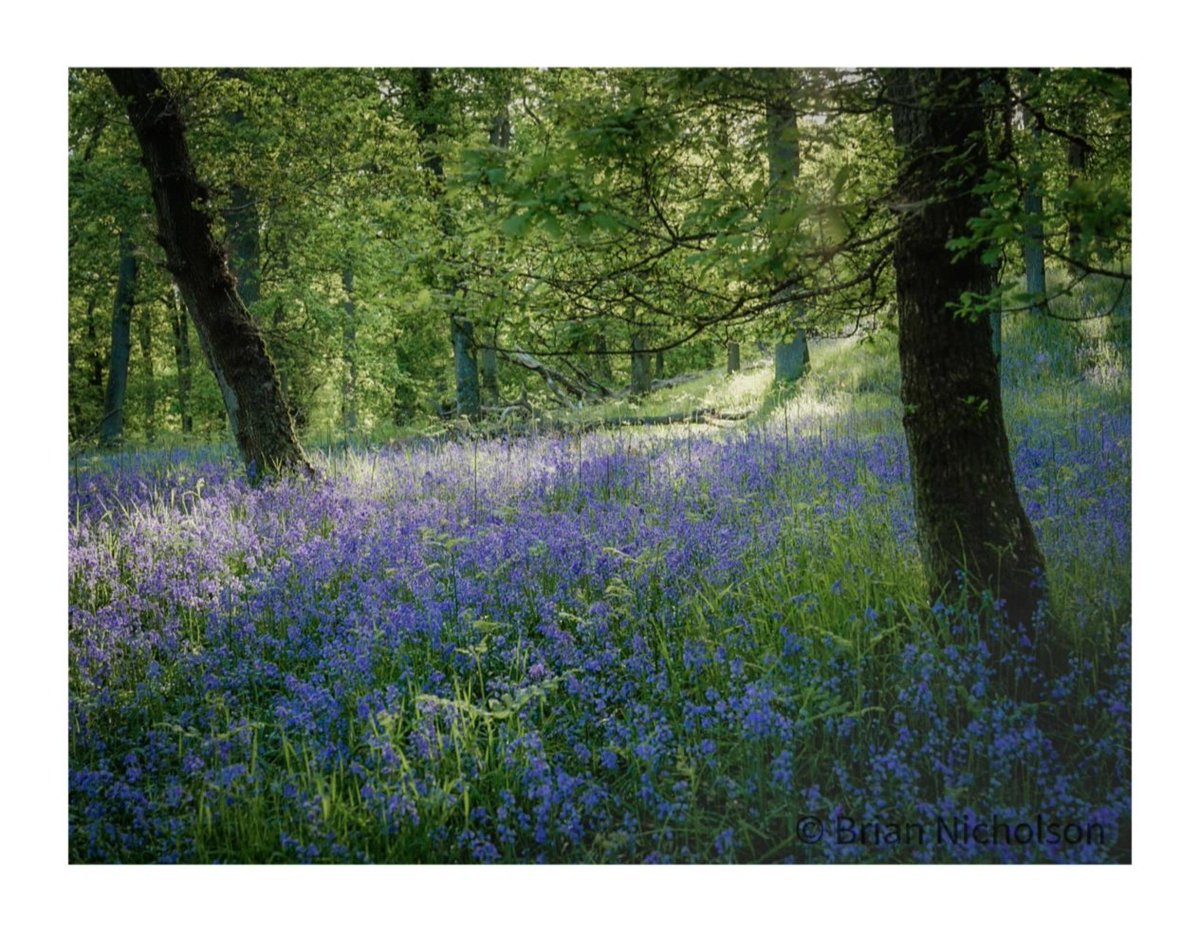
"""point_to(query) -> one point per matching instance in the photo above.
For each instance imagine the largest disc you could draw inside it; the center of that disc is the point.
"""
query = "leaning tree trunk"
(113, 423)
(231, 342)
(971, 525)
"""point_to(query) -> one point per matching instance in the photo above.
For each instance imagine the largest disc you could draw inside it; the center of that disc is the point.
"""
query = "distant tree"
(231, 341)
(783, 159)
(1033, 246)
(183, 359)
(430, 124)
(113, 423)
(973, 531)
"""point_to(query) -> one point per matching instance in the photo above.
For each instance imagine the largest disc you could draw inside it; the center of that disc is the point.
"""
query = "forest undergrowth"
(679, 644)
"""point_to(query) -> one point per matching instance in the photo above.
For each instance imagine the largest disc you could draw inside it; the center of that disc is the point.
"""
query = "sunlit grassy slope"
(689, 643)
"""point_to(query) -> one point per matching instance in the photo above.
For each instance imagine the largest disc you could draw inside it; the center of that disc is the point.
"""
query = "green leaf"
(516, 224)
(550, 224)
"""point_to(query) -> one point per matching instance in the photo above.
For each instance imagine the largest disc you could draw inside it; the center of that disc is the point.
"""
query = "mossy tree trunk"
(231, 342)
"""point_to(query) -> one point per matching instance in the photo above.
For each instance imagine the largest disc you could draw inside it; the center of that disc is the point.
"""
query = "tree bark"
(112, 425)
(603, 364)
(489, 369)
(973, 531)
(228, 336)
(791, 359)
(1034, 245)
(466, 369)
(733, 357)
(639, 366)
(783, 166)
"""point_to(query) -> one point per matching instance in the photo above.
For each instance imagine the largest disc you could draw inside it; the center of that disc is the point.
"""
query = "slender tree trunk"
(466, 370)
(499, 137)
(231, 342)
(639, 366)
(971, 525)
(660, 365)
(149, 397)
(113, 423)
(183, 360)
(603, 359)
(349, 356)
(95, 361)
(1034, 245)
(733, 357)
(1076, 166)
(783, 163)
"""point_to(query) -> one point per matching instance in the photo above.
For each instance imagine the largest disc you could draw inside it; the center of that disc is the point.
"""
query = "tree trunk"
(733, 357)
(95, 358)
(112, 424)
(146, 340)
(1076, 166)
(462, 337)
(489, 370)
(783, 165)
(791, 359)
(603, 361)
(183, 360)
(228, 336)
(660, 365)
(349, 356)
(466, 370)
(639, 366)
(1034, 246)
(971, 525)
